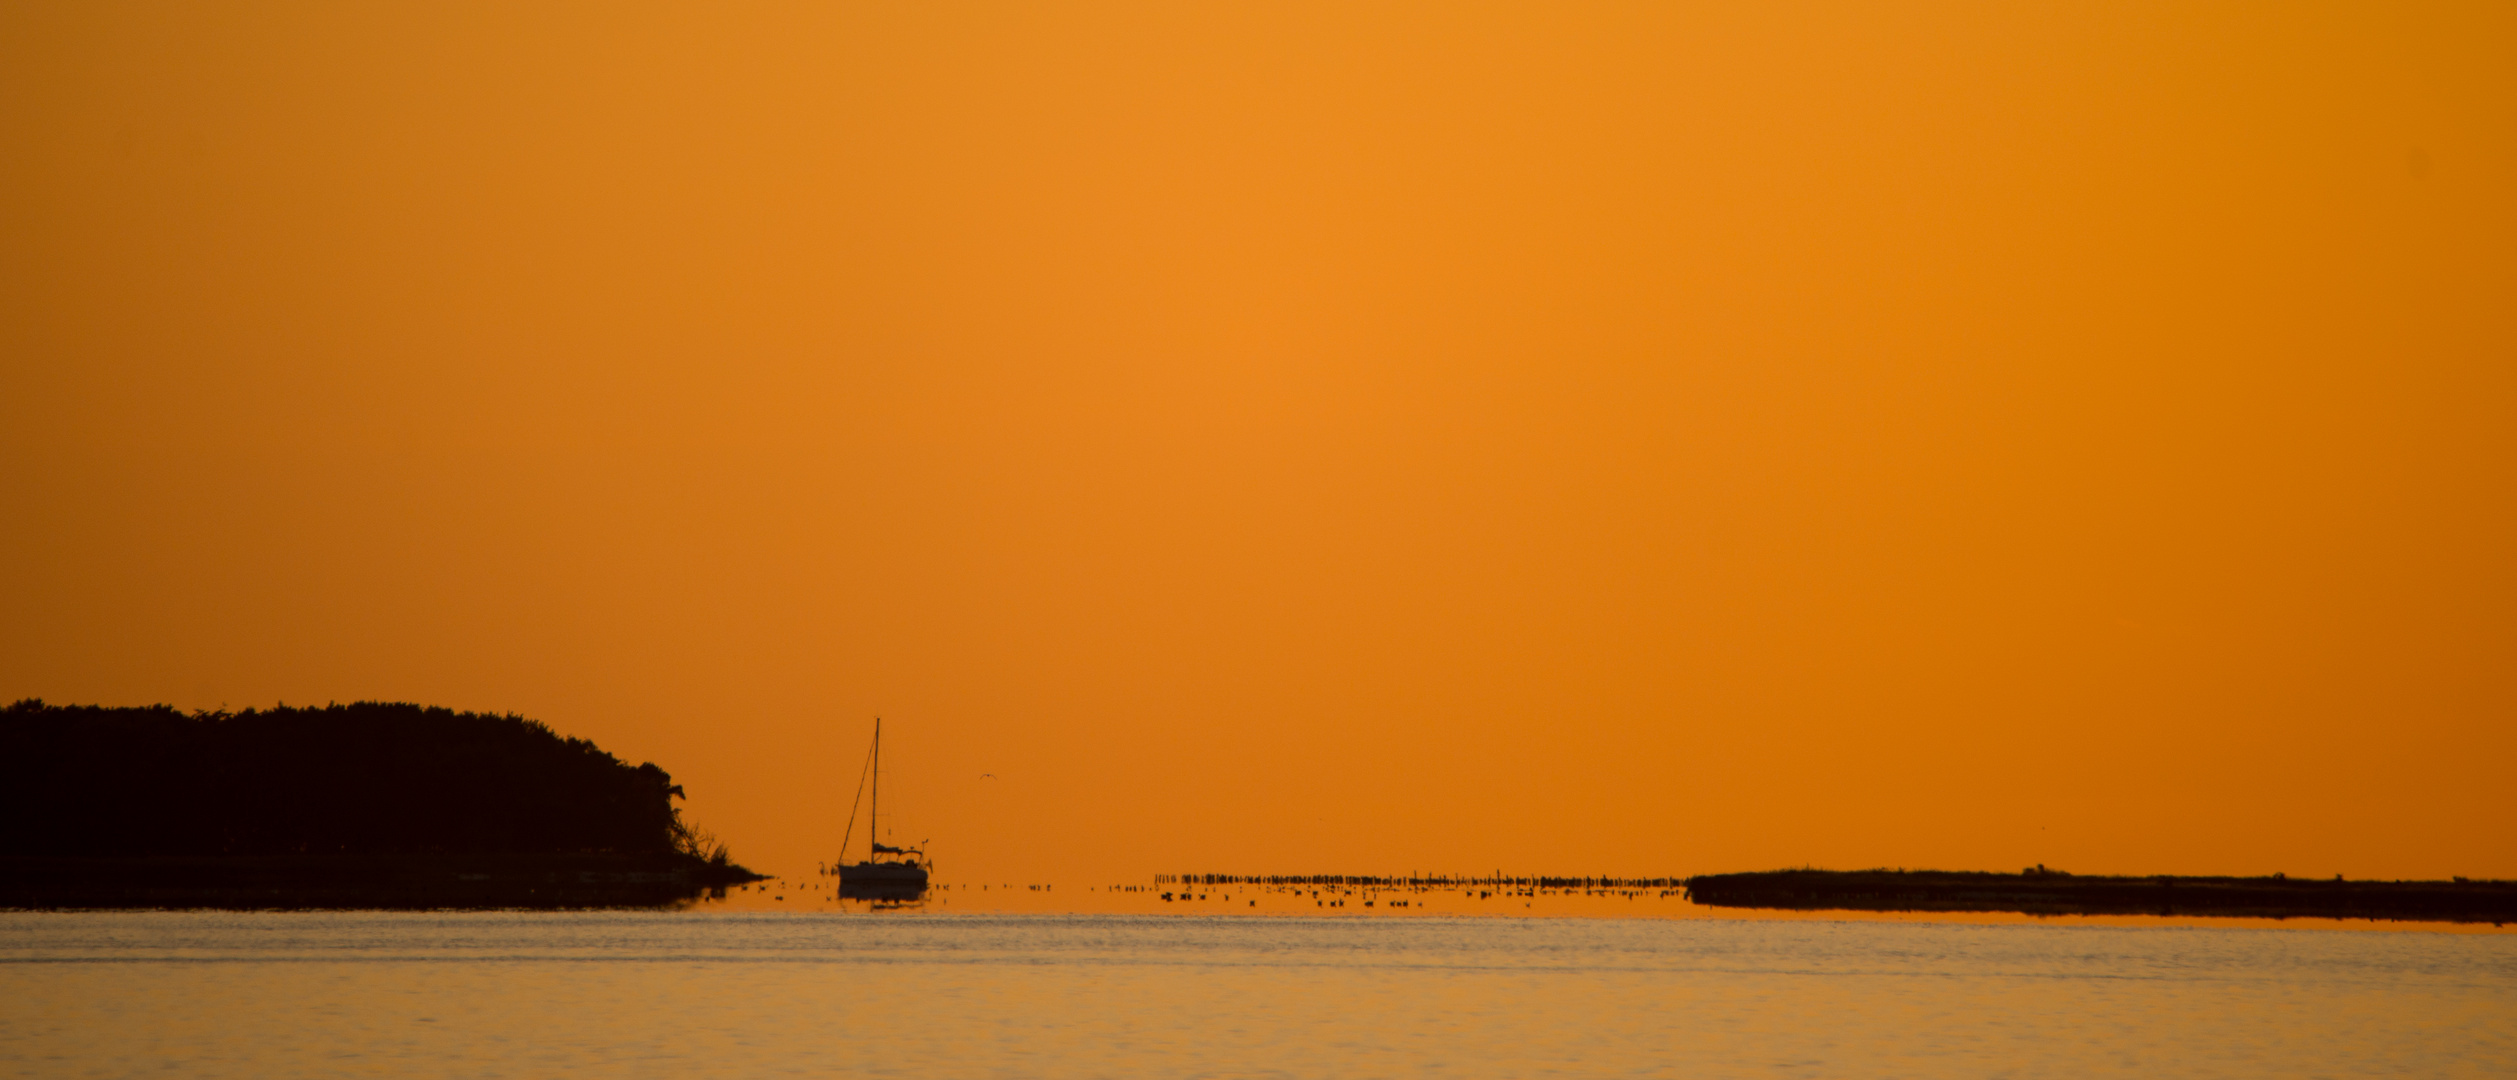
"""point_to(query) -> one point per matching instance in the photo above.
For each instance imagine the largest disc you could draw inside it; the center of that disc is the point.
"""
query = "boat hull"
(882, 881)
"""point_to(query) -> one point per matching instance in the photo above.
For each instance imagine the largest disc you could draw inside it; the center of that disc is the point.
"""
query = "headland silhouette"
(372, 804)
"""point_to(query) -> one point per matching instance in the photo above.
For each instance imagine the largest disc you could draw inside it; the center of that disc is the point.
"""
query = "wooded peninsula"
(367, 805)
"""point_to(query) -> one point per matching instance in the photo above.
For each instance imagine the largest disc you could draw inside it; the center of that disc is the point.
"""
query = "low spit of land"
(2039, 891)
(2036, 891)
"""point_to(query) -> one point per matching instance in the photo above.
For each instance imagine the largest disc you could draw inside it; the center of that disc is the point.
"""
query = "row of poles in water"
(1434, 881)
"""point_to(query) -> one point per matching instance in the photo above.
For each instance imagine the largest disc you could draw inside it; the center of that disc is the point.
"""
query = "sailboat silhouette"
(904, 875)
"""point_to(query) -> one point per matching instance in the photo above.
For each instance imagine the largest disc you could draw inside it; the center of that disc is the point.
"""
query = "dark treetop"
(371, 778)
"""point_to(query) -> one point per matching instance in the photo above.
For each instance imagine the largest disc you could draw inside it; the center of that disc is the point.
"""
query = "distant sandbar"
(2050, 892)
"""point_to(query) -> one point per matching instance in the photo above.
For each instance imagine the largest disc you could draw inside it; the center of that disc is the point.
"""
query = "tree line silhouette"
(365, 778)
(2038, 890)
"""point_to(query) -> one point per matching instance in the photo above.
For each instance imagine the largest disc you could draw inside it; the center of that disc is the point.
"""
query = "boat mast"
(874, 812)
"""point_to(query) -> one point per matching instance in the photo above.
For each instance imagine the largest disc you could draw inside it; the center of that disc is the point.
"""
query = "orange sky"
(1283, 438)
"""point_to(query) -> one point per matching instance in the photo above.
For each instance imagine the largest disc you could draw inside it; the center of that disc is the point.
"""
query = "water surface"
(952, 995)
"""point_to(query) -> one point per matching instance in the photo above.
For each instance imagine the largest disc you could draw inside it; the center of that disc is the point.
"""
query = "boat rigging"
(901, 877)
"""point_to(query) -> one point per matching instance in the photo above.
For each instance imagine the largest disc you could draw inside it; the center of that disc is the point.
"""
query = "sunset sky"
(1637, 439)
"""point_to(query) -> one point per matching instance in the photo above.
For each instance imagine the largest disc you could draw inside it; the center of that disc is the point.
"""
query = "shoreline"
(364, 881)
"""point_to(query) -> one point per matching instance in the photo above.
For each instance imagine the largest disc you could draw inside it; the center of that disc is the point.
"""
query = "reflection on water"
(749, 994)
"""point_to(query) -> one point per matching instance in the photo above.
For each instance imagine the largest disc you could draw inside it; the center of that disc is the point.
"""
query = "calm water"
(931, 995)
